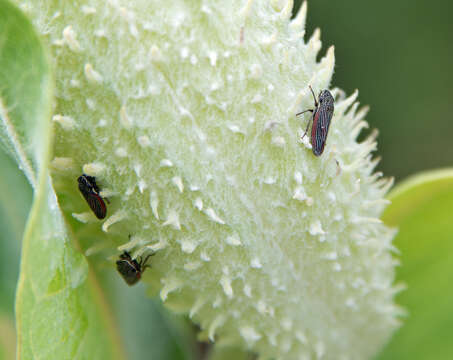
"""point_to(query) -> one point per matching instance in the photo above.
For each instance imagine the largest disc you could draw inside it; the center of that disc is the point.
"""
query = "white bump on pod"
(299, 22)
(225, 282)
(300, 336)
(196, 306)
(205, 257)
(125, 119)
(264, 309)
(299, 194)
(84, 217)
(213, 216)
(287, 10)
(106, 193)
(121, 152)
(93, 169)
(184, 52)
(173, 220)
(245, 11)
(69, 36)
(298, 177)
(166, 163)
(270, 40)
(92, 75)
(233, 240)
(212, 55)
(66, 122)
(316, 228)
(217, 302)
(74, 83)
(170, 285)
(278, 141)
(178, 182)
(256, 263)
(218, 321)
(287, 324)
(270, 180)
(133, 242)
(320, 349)
(96, 249)
(188, 246)
(138, 169)
(161, 244)
(249, 334)
(63, 164)
(256, 99)
(142, 185)
(192, 266)
(198, 203)
(235, 129)
(247, 290)
(256, 71)
(116, 217)
(88, 10)
(143, 141)
(102, 123)
(155, 54)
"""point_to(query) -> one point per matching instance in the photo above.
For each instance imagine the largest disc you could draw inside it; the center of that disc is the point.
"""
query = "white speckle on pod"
(173, 220)
(125, 120)
(188, 246)
(69, 36)
(92, 75)
(166, 163)
(94, 169)
(66, 122)
(178, 182)
(256, 263)
(249, 334)
(213, 216)
(143, 141)
(63, 164)
(225, 282)
(116, 217)
(233, 241)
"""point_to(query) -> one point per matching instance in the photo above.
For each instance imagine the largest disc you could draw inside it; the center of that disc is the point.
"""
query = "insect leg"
(306, 130)
(311, 110)
(144, 263)
(314, 97)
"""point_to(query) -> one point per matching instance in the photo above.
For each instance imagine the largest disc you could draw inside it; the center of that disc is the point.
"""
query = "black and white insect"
(322, 115)
(90, 191)
(130, 269)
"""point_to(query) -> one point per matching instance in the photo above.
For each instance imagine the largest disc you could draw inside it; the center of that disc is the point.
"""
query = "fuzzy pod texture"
(185, 113)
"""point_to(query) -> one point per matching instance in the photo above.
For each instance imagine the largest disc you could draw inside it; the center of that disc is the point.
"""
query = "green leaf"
(15, 202)
(422, 209)
(63, 307)
(60, 310)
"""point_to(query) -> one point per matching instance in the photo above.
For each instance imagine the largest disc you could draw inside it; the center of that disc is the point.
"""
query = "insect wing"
(128, 272)
(321, 123)
(96, 203)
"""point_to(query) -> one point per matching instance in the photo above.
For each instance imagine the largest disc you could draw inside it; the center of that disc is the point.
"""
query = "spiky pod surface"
(184, 112)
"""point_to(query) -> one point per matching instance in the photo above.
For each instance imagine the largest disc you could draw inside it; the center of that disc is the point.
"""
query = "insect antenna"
(314, 97)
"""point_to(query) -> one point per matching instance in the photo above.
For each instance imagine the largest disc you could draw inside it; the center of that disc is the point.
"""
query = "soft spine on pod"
(185, 112)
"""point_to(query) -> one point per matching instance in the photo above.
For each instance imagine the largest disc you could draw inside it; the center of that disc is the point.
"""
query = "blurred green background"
(399, 55)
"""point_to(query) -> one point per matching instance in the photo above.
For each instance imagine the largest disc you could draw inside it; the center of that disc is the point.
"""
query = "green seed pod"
(185, 111)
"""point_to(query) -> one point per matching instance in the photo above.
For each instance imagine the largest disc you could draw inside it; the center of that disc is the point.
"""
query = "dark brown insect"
(322, 115)
(130, 269)
(90, 191)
